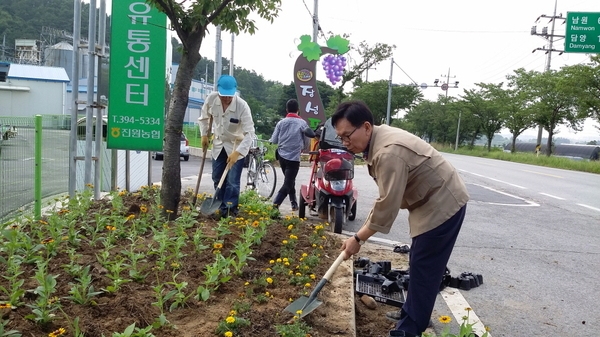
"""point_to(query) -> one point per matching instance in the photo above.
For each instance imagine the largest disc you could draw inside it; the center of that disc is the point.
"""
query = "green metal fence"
(18, 164)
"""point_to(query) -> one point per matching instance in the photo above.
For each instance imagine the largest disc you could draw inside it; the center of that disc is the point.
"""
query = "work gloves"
(204, 142)
(232, 159)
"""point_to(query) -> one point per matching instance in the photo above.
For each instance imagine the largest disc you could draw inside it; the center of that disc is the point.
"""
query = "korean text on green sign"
(582, 33)
(137, 76)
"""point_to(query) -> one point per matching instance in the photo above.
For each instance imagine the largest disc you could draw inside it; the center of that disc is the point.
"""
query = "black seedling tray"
(366, 285)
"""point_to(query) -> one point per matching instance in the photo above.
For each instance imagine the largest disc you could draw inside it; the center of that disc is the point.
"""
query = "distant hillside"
(24, 19)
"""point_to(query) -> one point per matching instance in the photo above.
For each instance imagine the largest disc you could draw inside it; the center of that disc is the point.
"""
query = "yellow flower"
(304, 255)
(284, 242)
(271, 261)
(186, 208)
(307, 285)
(285, 259)
(445, 319)
(217, 245)
(111, 228)
(169, 211)
(267, 293)
(56, 333)
(161, 206)
(290, 227)
(228, 334)
(286, 263)
(47, 241)
(232, 313)
(247, 283)
(278, 260)
(43, 222)
(130, 217)
(255, 223)
(299, 312)
(230, 320)
(298, 274)
(5, 306)
(269, 280)
(143, 209)
(312, 276)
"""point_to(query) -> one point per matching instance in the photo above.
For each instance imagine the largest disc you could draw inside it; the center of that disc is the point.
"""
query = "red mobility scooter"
(330, 193)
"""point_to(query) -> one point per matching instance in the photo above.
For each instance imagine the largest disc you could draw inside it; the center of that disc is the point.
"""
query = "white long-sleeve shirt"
(224, 128)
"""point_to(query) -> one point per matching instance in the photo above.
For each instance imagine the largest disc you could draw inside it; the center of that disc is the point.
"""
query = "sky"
(473, 40)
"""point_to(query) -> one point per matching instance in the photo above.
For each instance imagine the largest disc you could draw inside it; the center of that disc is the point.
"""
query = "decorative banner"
(305, 69)
(138, 50)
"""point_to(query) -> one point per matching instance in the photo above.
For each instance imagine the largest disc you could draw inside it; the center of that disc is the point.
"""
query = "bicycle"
(262, 176)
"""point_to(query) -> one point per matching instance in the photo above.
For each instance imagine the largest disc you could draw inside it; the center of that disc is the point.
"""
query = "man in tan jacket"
(411, 175)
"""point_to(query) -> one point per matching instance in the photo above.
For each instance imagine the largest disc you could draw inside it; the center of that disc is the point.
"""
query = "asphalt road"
(532, 232)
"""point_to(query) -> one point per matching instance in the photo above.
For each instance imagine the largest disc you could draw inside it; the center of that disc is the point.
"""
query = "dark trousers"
(428, 257)
(230, 190)
(290, 172)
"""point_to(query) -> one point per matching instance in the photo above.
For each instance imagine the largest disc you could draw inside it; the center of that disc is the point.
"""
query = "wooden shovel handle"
(334, 266)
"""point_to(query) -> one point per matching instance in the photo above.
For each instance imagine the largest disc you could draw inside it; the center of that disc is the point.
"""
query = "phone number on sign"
(133, 120)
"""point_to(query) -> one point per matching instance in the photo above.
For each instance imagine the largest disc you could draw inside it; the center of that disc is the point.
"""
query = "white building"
(30, 90)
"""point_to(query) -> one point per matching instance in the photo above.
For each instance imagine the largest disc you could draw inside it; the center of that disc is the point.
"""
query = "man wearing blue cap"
(233, 131)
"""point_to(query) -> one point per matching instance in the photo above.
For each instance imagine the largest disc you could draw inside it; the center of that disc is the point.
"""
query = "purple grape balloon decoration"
(334, 66)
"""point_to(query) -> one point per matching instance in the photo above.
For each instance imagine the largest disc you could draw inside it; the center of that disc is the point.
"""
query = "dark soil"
(133, 303)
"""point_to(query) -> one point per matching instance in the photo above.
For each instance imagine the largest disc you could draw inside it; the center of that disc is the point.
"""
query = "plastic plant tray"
(366, 285)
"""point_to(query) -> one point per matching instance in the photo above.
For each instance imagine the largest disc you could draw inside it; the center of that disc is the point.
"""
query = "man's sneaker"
(394, 316)
(400, 333)
(294, 207)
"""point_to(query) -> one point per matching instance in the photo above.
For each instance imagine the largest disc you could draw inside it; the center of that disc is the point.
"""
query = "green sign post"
(583, 33)
(137, 76)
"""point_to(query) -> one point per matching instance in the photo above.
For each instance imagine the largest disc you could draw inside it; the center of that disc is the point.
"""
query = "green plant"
(83, 292)
(45, 304)
(178, 295)
(132, 331)
(7, 333)
(231, 324)
(115, 269)
(296, 329)
(14, 291)
(465, 329)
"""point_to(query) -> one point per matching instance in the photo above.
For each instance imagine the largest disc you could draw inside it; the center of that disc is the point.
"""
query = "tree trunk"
(170, 193)
(513, 146)
(549, 143)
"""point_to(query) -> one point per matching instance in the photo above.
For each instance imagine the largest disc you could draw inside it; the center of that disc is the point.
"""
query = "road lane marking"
(497, 180)
(457, 305)
(544, 174)
(529, 203)
(552, 196)
(590, 207)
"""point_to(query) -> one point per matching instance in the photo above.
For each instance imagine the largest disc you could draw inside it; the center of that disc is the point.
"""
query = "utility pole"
(231, 60)
(389, 102)
(445, 87)
(551, 39)
(218, 60)
(315, 21)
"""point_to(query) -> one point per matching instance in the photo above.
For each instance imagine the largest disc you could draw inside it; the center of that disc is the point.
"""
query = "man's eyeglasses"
(347, 137)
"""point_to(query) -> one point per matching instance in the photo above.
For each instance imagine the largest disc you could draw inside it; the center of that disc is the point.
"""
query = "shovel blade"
(303, 304)
(210, 206)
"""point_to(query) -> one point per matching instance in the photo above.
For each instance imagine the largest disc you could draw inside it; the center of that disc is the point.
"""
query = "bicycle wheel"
(266, 180)
(251, 178)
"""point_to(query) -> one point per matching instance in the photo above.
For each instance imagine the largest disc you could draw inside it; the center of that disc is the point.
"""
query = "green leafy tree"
(191, 22)
(587, 78)
(368, 57)
(375, 95)
(517, 115)
(485, 110)
(553, 98)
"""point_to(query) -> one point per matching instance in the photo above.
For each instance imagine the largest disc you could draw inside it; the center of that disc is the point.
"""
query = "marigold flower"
(312, 276)
(299, 312)
(43, 222)
(230, 320)
(58, 332)
(47, 241)
(269, 280)
(255, 223)
(5, 306)
(278, 260)
(217, 245)
(284, 242)
(285, 259)
(169, 211)
(307, 285)
(286, 263)
(161, 206)
(445, 319)
(304, 255)
(130, 217)
(186, 208)
(228, 334)
(247, 283)
(111, 228)
(271, 261)
(290, 227)
(267, 293)
(143, 209)
(232, 313)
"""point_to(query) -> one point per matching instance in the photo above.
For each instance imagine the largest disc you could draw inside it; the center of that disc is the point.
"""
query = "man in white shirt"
(233, 131)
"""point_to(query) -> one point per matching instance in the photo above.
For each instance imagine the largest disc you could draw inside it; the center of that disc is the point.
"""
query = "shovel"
(308, 304)
(211, 205)
(195, 198)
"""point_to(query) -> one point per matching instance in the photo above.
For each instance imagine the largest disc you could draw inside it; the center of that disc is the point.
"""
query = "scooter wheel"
(338, 217)
(301, 206)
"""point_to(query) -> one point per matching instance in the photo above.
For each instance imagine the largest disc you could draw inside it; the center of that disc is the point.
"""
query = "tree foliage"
(375, 95)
